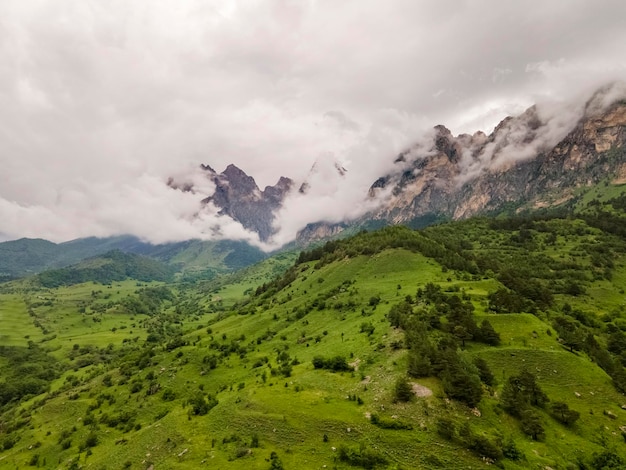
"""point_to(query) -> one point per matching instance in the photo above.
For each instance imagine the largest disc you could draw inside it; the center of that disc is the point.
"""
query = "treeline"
(513, 250)
(25, 372)
(438, 354)
(111, 267)
(369, 243)
(148, 301)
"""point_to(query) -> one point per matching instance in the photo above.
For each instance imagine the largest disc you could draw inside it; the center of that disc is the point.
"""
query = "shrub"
(402, 390)
(446, 428)
(335, 364)
(361, 457)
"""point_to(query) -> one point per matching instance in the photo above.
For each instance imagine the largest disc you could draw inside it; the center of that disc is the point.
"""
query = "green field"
(220, 374)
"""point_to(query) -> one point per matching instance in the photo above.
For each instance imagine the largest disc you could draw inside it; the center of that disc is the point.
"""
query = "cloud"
(539, 129)
(101, 102)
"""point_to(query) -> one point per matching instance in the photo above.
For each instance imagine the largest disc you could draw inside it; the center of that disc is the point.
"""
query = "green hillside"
(192, 258)
(107, 268)
(465, 345)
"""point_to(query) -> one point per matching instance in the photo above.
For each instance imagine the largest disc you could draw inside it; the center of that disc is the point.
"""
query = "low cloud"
(535, 131)
(145, 207)
(101, 103)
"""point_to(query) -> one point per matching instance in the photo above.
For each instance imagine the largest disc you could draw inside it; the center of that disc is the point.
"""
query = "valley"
(311, 368)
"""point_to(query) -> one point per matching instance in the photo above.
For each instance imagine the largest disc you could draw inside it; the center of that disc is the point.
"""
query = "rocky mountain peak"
(527, 156)
(277, 193)
(323, 171)
(239, 179)
(238, 196)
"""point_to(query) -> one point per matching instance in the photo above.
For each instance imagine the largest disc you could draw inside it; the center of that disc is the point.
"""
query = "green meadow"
(297, 362)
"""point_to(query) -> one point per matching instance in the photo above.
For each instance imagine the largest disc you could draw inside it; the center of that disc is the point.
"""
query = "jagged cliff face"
(534, 160)
(528, 160)
(238, 196)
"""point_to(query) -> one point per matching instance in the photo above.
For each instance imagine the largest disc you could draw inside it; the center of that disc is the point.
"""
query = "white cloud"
(100, 102)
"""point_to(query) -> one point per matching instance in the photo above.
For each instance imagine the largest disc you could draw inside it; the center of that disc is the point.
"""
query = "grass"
(17, 326)
(307, 414)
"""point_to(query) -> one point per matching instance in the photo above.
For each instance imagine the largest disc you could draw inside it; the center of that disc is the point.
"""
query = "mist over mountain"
(536, 159)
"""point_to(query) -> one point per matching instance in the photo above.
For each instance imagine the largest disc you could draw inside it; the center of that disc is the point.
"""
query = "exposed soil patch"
(420, 390)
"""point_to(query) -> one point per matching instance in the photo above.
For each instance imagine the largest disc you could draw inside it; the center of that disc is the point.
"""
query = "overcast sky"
(102, 101)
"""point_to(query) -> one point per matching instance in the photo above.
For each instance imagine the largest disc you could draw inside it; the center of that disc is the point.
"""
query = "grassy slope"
(291, 415)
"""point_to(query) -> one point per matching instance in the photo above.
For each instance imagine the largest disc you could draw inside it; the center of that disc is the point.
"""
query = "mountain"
(25, 257)
(29, 256)
(540, 159)
(238, 196)
(544, 158)
(525, 163)
(107, 268)
(547, 157)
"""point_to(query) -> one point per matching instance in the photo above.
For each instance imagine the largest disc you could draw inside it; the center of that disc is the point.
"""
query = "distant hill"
(109, 267)
(24, 257)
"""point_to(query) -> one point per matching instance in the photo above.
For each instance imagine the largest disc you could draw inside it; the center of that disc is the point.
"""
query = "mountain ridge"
(24, 257)
(537, 159)
(543, 158)
(432, 187)
(238, 196)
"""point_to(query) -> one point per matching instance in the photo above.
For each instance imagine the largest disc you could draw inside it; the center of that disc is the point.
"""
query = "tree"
(570, 332)
(462, 385)
(200, 406)
(531, 425)
(561, 412)
(402, 391)
(520, 392)
(419, 363)
(462, 334)
(505, 301)
(484, 372)
(486, 334)
(531, 389)
(512, 399)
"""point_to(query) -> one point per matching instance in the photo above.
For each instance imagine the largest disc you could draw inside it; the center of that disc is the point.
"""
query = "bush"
(484, 447)
(446, 428)
(361, 457)
(402, 390)
(201, 406)
(335, 364)
(275, 462)
(562, 413)
(168, 395)
(532, 426)
(90, 441)
(510, 450)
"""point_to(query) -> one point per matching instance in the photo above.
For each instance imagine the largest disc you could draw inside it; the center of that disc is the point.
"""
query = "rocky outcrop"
(531, 160)
(320, 231)
(535, 160)
(238, 196)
